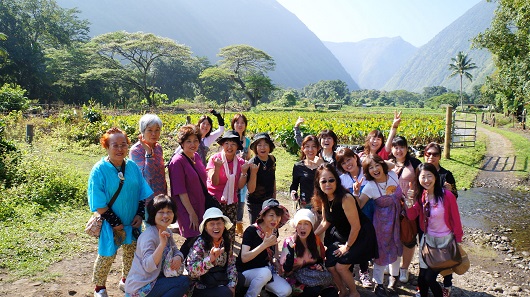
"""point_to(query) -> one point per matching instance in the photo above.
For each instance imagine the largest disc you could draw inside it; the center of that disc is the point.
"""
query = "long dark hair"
(209, 120)
(376, 134)
(418, 189)
(312, 246)
(208, 240)
(400, 141)
(320, 198)
(329, 133)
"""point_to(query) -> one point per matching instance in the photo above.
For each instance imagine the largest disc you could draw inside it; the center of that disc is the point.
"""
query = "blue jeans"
(170, 287)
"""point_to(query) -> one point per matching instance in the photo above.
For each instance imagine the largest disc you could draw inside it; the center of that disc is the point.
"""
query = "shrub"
(12, 97)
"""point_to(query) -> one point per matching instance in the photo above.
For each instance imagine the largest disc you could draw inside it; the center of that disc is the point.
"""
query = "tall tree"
(131, 57)
(461, 66)
(247, 62)
(508, 39)
(33, 26)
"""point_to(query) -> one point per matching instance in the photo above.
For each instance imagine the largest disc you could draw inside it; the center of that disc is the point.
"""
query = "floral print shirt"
(198, 263)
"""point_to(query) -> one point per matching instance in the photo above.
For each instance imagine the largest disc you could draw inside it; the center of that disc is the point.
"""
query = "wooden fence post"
(448, 123)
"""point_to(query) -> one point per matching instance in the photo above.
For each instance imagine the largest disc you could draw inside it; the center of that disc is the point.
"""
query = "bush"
(42, 184)
(12, 98)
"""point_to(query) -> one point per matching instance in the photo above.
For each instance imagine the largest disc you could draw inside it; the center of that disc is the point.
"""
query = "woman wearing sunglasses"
(432, 155)
(341, 222)
(439, 219)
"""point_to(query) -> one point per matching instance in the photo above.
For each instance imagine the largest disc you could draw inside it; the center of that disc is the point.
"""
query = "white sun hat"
(214, 213)
(304, 215)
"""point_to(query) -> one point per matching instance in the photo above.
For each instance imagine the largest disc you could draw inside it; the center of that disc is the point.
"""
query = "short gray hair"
(148, 120)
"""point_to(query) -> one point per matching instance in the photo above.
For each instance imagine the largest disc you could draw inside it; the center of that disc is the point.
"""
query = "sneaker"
(446, 291)
(101, 293)
(380, 291)
(365, 279)
(121, 285)
(392, 282)
(403, 275)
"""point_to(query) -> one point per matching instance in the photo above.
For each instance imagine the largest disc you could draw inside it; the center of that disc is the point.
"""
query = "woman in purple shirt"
(186, 173)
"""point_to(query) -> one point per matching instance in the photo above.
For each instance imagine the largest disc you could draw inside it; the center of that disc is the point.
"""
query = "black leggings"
(427, 280)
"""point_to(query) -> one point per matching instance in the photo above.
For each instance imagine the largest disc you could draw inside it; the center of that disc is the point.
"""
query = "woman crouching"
(154, 245)
(211, 263)
(302, 259)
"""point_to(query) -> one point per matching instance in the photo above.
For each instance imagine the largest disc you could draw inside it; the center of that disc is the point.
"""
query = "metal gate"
(464, 129)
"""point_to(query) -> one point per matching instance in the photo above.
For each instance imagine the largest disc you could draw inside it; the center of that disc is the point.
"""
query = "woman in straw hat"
(210, 262)
(258, 259)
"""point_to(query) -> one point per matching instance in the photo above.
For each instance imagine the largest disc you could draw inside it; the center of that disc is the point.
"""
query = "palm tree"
(461, 65)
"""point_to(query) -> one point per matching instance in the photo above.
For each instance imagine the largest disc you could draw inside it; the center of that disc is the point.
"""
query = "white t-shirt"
(347, 180)
(371, 189)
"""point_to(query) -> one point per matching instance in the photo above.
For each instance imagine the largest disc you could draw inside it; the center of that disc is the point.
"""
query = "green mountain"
(429, 66)
(209, 25)
(372, 62)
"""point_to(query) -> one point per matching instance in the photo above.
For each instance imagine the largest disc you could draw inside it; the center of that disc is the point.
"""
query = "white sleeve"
(213, 136)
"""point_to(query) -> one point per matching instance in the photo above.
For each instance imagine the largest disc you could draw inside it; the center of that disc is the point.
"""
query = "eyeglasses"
(435, 155)
(331, 180)
(119, 146)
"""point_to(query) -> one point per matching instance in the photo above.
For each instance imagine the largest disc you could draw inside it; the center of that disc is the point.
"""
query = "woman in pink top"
(227, 174)
(439, 219)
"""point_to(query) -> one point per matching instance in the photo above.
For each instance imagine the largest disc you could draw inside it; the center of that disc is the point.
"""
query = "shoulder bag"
(93, 226)
(312, 277)
(215, 276)
(209, 200)
(440, 258)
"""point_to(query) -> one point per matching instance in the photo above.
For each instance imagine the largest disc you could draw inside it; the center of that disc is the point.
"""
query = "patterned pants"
(230, 210)
(103, 264)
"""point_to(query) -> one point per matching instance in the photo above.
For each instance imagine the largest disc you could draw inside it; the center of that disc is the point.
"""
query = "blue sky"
(416, 21)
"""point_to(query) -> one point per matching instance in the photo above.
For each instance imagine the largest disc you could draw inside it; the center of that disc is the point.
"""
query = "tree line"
(47, 56)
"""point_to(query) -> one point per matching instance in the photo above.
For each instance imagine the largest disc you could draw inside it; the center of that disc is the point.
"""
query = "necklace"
(331, 205)
(120, 173)
(384, 187)
(264, 164)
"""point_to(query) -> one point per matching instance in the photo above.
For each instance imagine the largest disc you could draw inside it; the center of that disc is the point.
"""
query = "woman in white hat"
(258, 260)
(210, 262)
(304, 250)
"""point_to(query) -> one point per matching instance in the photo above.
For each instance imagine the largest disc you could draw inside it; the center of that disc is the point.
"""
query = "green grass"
(465, 162)
(30, 243)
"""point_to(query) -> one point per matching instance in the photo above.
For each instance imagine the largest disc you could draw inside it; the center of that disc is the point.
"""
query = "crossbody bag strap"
(119, 187)
(200, 180)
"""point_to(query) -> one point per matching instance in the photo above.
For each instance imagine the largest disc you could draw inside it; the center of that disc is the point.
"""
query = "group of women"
(351, 207)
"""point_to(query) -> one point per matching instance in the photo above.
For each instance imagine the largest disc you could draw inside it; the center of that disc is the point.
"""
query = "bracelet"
(356, 194)
(148, 155)
(244, 174)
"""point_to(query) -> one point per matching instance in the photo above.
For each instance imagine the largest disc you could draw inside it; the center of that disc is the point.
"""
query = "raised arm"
(393, 131)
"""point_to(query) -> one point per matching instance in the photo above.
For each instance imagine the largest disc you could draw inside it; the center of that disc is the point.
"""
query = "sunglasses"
(331, 180)
(427, 154)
